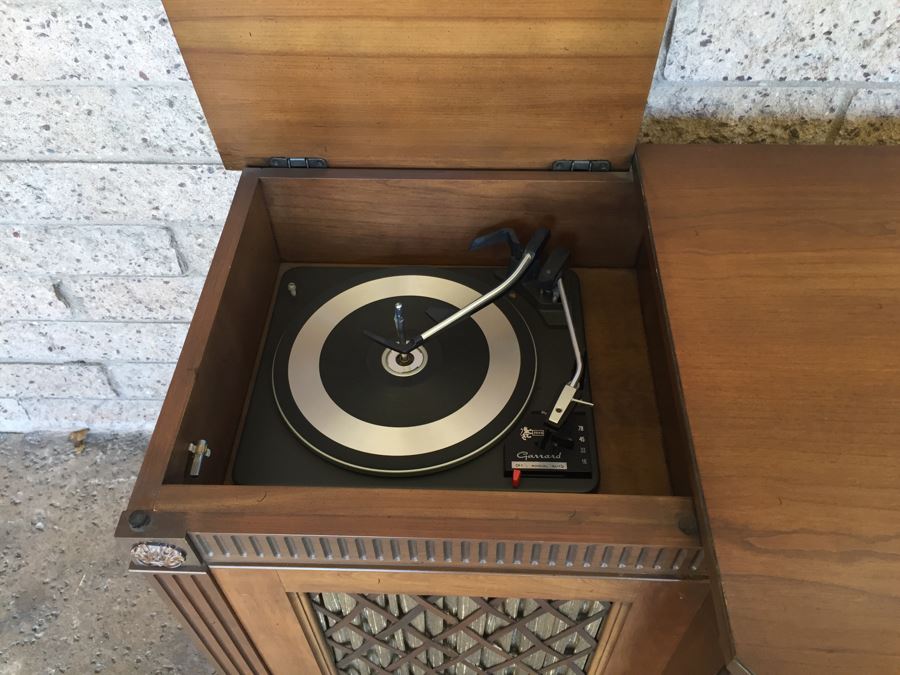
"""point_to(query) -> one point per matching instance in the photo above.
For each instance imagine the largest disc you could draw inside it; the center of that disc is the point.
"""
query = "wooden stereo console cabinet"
(399, 132)
(633, 545)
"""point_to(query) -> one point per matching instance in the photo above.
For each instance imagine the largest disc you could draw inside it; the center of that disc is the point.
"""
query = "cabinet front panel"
(416, 622)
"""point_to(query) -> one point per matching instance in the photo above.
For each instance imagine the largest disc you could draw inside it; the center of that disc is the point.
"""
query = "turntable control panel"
(534, 449)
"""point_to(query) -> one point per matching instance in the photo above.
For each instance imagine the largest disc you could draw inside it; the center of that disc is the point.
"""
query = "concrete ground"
(67, 604)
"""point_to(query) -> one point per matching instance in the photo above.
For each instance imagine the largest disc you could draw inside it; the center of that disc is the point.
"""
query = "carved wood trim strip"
(601, 559)
(208, 616)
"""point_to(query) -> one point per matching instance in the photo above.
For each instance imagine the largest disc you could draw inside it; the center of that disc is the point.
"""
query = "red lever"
(517, 477)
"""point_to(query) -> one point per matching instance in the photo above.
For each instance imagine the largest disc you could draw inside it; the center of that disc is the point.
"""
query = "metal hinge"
(298, 163)
(582, 165)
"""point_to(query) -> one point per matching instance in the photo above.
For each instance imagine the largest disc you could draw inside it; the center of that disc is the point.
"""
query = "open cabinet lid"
(420, 83)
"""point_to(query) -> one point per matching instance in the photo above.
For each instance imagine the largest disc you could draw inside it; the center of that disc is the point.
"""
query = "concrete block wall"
(778, 71)
(112, 198)
(112, 195)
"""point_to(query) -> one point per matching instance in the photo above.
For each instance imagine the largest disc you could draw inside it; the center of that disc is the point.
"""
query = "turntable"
(454, 378)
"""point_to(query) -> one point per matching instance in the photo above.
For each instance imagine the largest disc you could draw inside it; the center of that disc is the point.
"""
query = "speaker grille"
(457, 635)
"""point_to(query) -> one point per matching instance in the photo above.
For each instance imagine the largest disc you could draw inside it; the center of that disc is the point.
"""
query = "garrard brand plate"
(351, 400)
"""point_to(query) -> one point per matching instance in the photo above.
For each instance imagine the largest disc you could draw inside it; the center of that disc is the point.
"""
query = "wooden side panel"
(418, 84)
(680, 460)
(265, 610)
(313, 632)
(656, 623)
(629, 439)
(197, 599)
(675, 437)
(208, 388)
(236, 325)
(699, 653)
(429, 217)
(780, 268)
(618, 613)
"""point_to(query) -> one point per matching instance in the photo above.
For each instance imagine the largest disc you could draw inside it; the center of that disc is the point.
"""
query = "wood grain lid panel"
(419, 84)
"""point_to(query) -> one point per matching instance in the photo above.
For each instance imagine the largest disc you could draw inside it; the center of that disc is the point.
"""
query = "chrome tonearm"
(528, 254)
(566, 398)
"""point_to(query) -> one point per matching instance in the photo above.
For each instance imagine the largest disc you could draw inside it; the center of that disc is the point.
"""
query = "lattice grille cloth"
(457, 635)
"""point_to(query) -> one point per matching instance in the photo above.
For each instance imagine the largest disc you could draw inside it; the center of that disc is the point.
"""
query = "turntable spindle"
(402, 359)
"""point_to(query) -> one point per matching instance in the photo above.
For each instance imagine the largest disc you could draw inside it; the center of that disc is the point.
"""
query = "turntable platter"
(356, 403)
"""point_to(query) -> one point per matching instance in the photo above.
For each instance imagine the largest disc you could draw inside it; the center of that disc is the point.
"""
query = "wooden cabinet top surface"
(781, 273)
(422, 84)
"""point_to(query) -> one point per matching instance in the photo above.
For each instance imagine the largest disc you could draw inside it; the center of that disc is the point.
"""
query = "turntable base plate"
(329, 408)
